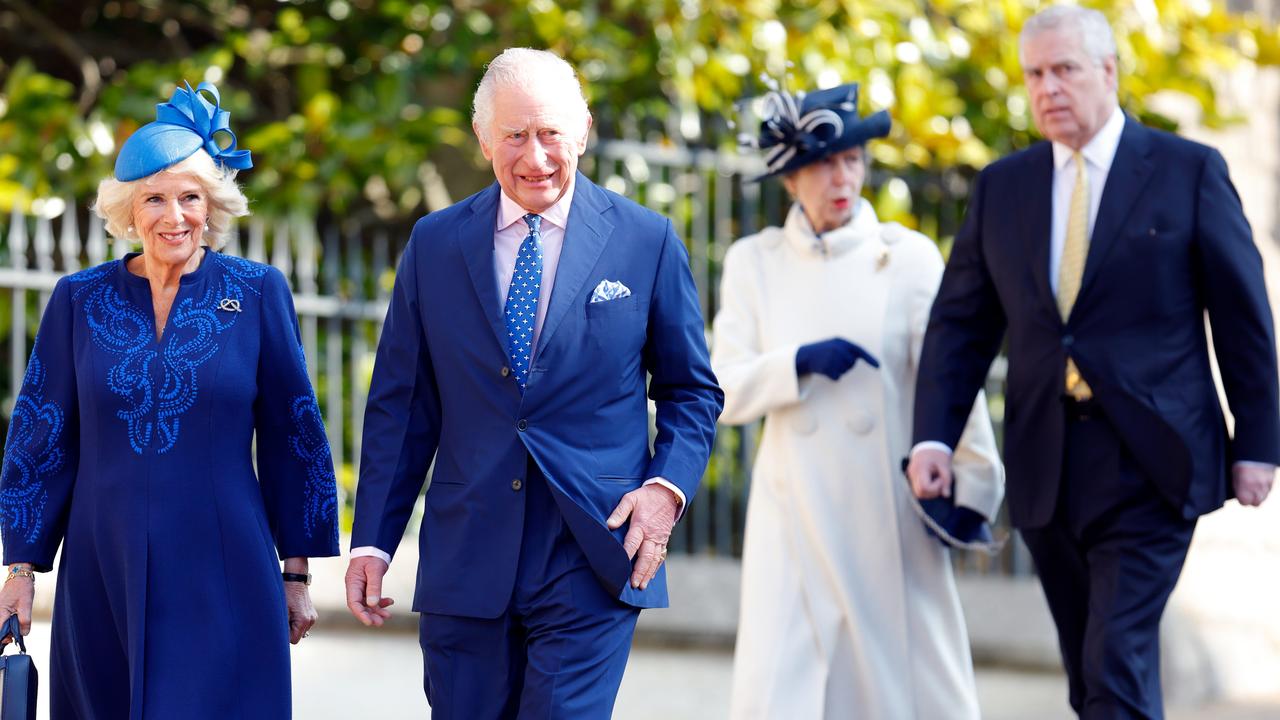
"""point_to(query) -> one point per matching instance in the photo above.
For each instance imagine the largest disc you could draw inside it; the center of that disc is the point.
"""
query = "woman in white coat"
(849, 608)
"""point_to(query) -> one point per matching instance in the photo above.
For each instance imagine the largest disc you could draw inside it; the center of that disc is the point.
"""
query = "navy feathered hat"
(797, 130)
(185, 124)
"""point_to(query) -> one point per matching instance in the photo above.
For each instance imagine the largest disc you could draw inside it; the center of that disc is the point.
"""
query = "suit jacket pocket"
(610, 308)
(1157, 233)
(633, 479)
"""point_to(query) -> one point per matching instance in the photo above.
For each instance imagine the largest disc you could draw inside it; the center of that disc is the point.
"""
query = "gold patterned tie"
(1075, 250)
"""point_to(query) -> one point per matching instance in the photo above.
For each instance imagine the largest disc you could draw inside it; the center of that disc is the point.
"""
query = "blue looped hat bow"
(185, 124)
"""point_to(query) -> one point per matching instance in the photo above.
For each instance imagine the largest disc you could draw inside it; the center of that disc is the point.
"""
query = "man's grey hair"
(1090, 26)
(524, 68)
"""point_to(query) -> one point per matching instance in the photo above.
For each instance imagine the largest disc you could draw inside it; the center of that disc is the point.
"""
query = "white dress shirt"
(509, 231)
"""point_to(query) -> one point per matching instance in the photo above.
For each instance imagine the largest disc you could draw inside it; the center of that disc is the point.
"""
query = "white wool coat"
(849, 609)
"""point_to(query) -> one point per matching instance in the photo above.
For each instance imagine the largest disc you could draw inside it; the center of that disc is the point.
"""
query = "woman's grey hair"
(1091, 26)
(526, 67)
(114, 203)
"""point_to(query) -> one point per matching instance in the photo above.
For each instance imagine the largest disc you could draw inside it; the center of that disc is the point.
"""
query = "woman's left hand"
(302, 614)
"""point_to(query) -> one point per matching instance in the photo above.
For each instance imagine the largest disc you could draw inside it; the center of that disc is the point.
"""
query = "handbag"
(18, 678)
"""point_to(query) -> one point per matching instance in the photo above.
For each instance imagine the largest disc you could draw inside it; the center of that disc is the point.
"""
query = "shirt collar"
(510, 212)
(1100, 150)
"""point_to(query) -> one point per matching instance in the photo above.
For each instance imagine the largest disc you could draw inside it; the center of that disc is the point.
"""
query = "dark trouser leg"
(578, 635)
(559, 650)
(473, 667)
(1064, 577)
(1134, 563)
(1112, 523)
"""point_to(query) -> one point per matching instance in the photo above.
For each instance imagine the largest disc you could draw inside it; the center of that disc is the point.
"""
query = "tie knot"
(1078, 157)
(534, 222)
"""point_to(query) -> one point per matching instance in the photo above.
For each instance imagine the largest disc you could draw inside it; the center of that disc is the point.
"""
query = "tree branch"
(67, 45)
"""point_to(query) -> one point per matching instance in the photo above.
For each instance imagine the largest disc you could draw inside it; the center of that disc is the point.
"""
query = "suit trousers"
(1108, 561)
(558, 651)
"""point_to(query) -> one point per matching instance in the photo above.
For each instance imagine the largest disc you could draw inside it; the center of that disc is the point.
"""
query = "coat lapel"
(1130, 171)
(1039, 219)
(584, 240)
(475, 240)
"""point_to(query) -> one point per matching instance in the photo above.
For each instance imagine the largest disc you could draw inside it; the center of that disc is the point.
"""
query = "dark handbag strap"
(11, 627)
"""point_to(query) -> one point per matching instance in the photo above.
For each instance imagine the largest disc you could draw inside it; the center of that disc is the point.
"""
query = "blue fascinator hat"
(185, 124)
(801, 129)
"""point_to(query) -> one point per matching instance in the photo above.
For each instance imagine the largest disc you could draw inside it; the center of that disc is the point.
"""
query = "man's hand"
(16, 598)
(930, 473)
(1252, 482)
(652, 510)
(364, 591)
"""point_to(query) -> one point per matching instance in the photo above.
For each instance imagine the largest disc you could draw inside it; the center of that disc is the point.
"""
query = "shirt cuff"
(679, 493)
(1254, 463)
(931, 445)
(370, 551)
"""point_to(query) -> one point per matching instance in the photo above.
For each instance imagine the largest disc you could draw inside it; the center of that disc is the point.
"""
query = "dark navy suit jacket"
(1170, 242)
(441, 392)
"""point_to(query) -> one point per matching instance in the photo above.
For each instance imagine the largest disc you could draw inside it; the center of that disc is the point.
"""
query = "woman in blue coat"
(132, 444)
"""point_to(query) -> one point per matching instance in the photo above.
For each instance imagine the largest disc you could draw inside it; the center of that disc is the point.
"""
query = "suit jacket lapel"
(1039, 219)
(584, 240)
(475, 240)
(1130, 171)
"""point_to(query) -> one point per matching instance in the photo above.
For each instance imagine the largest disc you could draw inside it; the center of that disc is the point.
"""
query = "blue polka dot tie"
(522, 300)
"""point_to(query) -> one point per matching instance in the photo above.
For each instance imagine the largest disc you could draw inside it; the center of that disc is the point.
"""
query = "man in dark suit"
(531, 401)
(1100, 253)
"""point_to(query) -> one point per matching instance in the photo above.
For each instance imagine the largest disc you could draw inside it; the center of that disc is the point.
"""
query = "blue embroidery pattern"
(33, 452)
(310, 446)
(153, 410)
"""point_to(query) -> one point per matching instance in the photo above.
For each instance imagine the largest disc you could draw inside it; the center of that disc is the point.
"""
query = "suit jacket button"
(1068, 340)
(522, 425)
(505, 371)
(516, 484)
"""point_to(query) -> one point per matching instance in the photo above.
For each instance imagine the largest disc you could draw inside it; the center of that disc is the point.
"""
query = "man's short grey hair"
(1090, 26)
(526, 67)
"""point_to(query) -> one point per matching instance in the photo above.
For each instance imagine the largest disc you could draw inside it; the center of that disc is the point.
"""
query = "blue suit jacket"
(1170, 242)
(441, 392)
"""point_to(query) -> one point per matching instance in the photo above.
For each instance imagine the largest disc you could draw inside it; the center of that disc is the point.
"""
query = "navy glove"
(832, 358)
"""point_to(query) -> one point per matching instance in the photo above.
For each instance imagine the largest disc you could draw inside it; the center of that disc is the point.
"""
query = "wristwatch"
(304, 578)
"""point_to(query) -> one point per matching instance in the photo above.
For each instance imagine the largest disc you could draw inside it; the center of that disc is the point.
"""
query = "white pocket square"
(609, 290)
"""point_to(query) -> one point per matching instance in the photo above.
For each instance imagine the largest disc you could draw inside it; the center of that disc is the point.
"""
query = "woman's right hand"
(16, 598)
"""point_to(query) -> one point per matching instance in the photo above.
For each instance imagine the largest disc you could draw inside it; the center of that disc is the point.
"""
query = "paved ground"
(350, 675)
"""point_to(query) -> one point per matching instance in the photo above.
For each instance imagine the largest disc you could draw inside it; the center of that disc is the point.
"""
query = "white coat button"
(861, 423)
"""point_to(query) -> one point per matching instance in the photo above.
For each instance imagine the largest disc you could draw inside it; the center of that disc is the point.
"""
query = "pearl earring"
(129, 230)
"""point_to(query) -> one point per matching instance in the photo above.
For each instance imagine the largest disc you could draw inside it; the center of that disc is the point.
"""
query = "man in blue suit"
(1100, 253)
(526, 323)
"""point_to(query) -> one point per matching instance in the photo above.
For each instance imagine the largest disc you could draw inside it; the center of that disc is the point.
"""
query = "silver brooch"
(229, 304)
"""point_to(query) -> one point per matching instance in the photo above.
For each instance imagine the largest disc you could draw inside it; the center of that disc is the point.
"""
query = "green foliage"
(344, 102)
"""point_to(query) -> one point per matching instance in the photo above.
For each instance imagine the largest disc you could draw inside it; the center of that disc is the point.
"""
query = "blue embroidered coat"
(137, 455)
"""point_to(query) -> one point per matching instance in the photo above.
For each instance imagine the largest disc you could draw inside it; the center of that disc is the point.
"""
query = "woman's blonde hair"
(114, 203)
